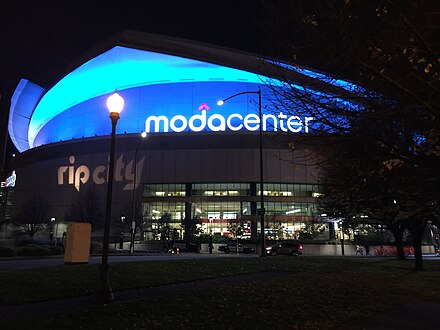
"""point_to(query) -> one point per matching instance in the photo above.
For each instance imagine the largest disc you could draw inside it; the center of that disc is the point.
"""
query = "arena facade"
(198, 161)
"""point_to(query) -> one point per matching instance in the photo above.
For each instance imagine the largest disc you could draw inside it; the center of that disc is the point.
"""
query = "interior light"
(293, 211)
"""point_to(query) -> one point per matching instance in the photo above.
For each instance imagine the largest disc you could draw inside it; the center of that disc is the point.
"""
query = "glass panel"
(164, 190)
(221, 189)
(290, 208)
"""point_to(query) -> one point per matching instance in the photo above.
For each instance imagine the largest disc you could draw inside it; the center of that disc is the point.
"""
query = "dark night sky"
(39, 39)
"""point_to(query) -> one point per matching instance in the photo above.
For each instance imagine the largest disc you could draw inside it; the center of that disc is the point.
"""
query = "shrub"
(7, 251)
(23, 241)
(31, 241)
(56, 250)
(221, 239)
(392, 251)
(33, 250)
(95, 247)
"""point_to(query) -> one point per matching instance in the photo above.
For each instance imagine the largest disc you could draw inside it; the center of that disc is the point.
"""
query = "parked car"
(232, 247)
(290, 248)
(180, 245)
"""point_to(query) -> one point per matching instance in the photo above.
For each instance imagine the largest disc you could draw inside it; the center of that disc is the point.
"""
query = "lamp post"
(260, 211)
(55, 232)
(341, 223)
(210, 246)
(133, 219)
(115, 104)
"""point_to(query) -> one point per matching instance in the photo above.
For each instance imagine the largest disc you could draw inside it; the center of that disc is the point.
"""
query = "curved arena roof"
(133, 60)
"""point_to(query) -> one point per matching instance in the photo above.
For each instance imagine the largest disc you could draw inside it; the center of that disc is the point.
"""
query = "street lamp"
(260, 211)
(115, 104)
(210, 246)
(341, 224)
(55, 232)
(133, 219)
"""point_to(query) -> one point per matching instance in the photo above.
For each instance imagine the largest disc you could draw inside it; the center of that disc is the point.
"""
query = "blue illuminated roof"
(132, 60)
(120, 68)
(23, 103)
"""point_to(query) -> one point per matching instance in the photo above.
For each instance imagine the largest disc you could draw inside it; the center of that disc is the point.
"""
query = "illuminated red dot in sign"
(203, 106)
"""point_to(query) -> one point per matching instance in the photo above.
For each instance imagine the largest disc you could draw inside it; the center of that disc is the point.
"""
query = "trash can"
(77, 243)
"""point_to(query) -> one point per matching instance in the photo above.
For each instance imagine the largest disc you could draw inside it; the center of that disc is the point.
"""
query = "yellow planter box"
(77, 243)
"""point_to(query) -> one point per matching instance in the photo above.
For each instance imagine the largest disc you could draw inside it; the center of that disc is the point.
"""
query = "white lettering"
(98, 175)
(173, 123)
(156, 121)
(218, 122)
(129, 174)
(82, 175)
(234, 128)
(118, 168)
(202, 119)
(71, 168)
(294, 121)
(281, 116)
(61, 171)
(220, 127)
(306, 123)
(251, 119)
(275, 122)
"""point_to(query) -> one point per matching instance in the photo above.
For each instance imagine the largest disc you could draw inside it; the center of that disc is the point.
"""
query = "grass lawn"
(317, 293)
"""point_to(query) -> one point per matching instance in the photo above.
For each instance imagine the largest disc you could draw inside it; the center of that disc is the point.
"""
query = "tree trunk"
(418, 251)
(398, 229)
(399, 246)
(416, 228)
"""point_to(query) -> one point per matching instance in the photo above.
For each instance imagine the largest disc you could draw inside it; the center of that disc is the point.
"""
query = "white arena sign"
(234, 122)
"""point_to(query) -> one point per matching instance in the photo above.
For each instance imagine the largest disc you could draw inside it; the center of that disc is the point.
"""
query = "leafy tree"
(236, 227)
(277, 227)
(359, 182)
(162, 229)
(33, 217)
(390, 49)
(355, 192)
(86, 208)
(311, 230)
(127, 213)
(4, 207)
(192, 230)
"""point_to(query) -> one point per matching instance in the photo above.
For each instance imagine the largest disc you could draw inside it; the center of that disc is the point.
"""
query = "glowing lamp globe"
(220, 102)
(115, 103)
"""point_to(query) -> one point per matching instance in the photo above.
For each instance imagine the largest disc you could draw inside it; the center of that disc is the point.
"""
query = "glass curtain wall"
(216, 206)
